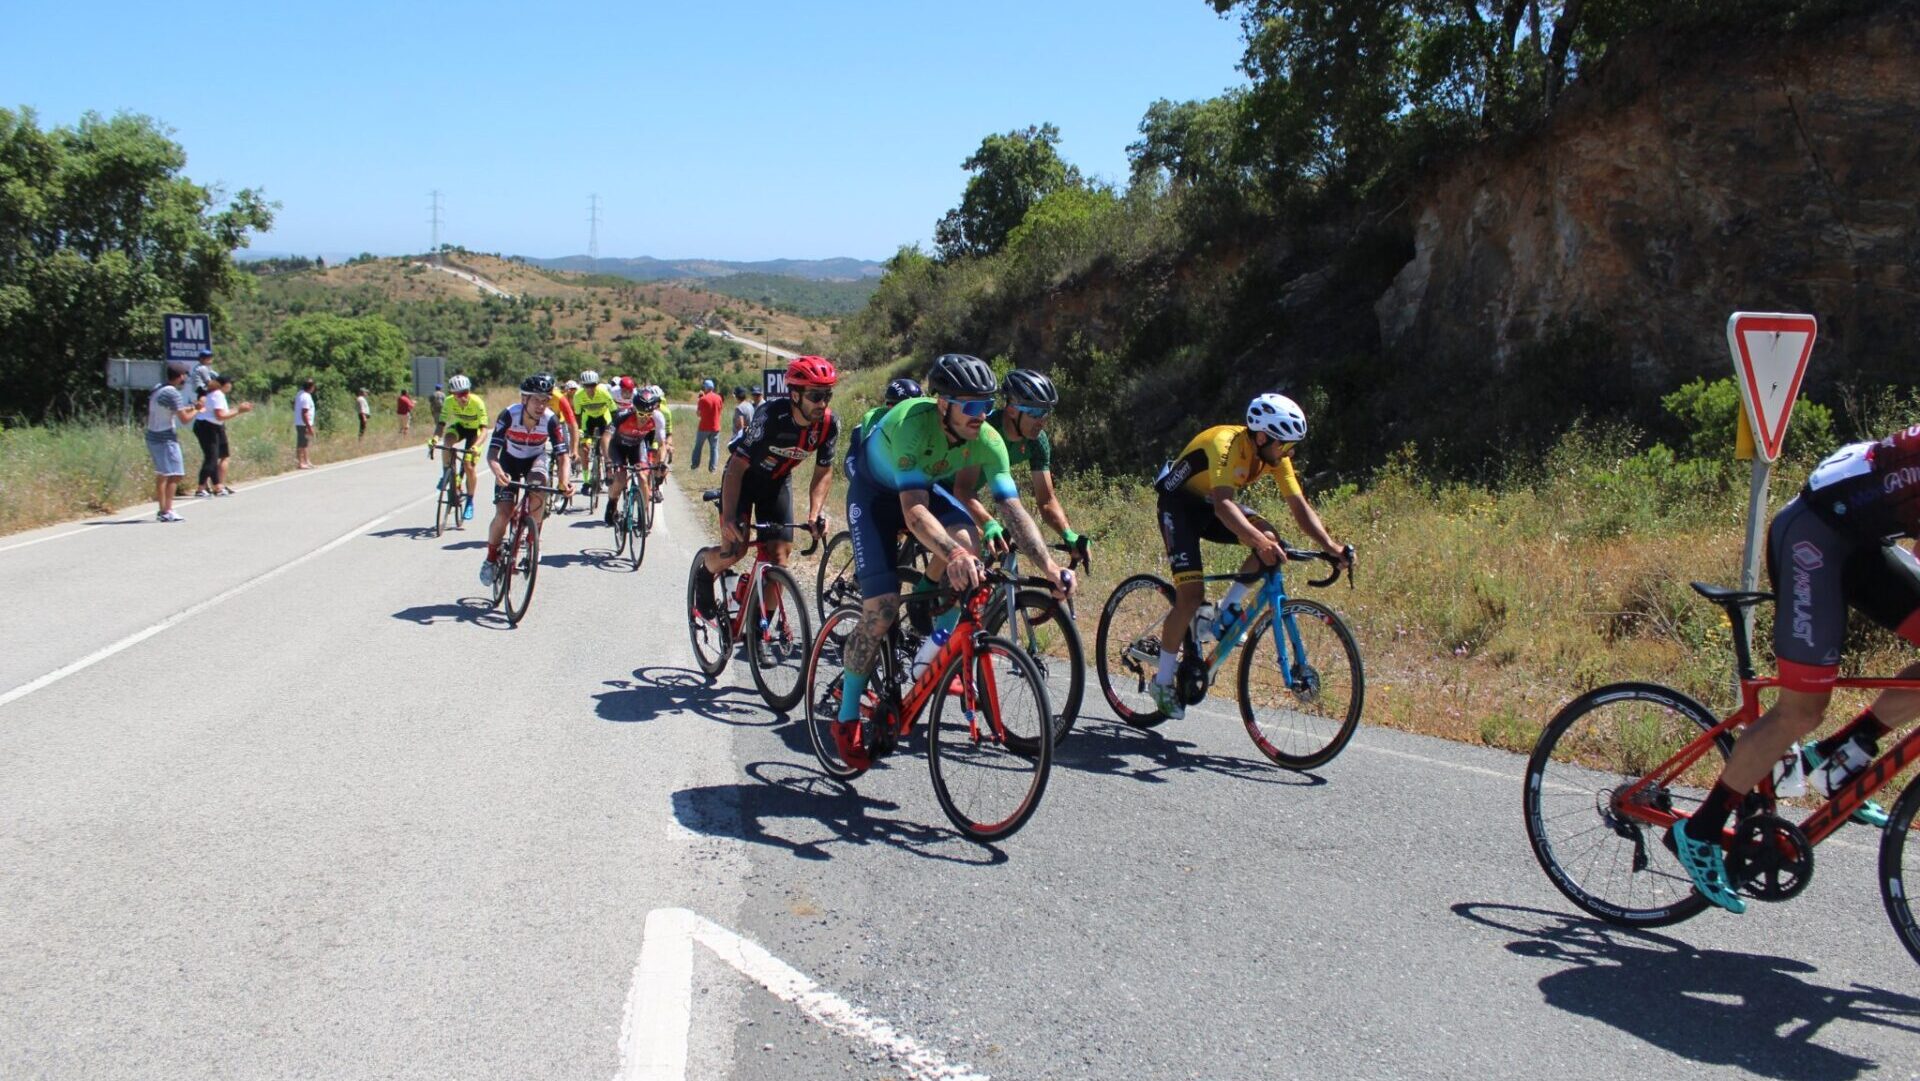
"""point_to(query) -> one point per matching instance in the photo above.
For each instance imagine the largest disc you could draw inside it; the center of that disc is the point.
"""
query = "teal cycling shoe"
(1167, 701)
(1706, 864)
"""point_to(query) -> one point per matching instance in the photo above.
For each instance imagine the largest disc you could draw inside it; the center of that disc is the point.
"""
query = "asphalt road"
(281, 799)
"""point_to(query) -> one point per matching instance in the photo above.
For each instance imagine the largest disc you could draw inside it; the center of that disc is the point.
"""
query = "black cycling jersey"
(774, 443)
(1870, 490)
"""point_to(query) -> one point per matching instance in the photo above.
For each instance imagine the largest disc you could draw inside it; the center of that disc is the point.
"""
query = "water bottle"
(928, 650)
(1790, 774)
(1845, 764)
(1230, 617)
(1203, 623)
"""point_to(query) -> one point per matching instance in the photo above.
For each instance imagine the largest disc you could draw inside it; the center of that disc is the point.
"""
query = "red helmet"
(626, 382)
(811, 372)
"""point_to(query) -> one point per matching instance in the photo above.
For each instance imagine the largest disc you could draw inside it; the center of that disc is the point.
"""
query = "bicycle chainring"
(1190, 679)
(1770, 858)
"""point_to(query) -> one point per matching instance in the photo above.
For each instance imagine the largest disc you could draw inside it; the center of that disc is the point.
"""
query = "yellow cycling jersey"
(1223, 456)
(472, 414)
(597, 402)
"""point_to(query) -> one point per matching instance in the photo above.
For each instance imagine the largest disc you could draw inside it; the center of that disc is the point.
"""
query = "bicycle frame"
(959, 644)
(1271, 595)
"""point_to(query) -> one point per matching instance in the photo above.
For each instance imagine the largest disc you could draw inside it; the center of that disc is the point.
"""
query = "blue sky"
(744, 130)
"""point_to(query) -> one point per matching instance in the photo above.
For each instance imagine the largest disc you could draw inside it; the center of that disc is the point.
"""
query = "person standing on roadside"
(403, 408)
(437, 404)
(742, 413)
(366, 410)
(210, 428)
(303, 418)
(708, 407)
(166, 406)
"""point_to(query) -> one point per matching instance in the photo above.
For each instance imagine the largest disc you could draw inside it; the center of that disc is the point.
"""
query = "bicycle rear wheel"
(778, 634)
(636, 515)
(835, 584)
(525, 557)
(985, 783)
(1608, 862)
(1302, 714)
(1043, 629)
(1900, 867)
(620, 530)
(1127, 646)
(446, 511)
(826, 663)
(712, 640)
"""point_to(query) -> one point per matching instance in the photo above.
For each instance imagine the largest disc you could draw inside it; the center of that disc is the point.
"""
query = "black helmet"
(961, 375)
(900, 390)
(1027, 385)
(537, 383)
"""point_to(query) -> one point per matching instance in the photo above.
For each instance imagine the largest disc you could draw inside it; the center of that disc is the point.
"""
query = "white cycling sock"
(1235, 594)
(1168, 662)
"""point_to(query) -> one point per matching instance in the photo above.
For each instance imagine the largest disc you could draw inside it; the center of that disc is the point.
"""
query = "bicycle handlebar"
(1298, 555)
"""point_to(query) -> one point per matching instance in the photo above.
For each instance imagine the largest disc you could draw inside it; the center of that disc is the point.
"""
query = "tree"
(643, 359)
(1011, 172)
(344, 354)
(100, 235)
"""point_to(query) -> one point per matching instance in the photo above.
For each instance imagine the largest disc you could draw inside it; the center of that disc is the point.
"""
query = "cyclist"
(1022, 424)
(660, 395)
(890, 468)
(594, 405)
(466, 417)
(623, 393)
(529, 444)
(1198, 500)
(563, 407)
(1830, 548)
(782, 435)
(635, 441)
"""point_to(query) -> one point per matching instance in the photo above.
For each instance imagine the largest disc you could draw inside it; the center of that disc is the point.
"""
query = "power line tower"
(593, 227)
(434, 250)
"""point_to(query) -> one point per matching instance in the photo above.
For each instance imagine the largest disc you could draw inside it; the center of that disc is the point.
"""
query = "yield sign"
(1770, 351)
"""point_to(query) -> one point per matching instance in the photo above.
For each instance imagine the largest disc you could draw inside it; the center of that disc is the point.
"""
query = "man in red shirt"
(708, 406)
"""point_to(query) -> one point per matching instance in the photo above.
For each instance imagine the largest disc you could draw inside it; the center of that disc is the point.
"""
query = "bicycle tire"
(955, 739)
(1317, 744)
(503, 565)
(636, 530)
(1118, 660)
(646, 506)
(780, 646)
(1581, 800)
(526, 564)
(1040, 609)
(440, 518)
(620, 530)
(825, 665)
(712, 639)
(835, 584)
(1900, 868)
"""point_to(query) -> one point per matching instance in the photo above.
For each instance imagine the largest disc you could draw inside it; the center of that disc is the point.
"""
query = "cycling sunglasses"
(817, 395)
(974, 407)
(1037, 412)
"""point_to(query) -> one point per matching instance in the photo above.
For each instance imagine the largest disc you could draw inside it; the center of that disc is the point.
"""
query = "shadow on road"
(802, 810)
(415, 532)
(464, 546)
(1110, 747)
(476, 610)
(1756, 1013)
(662, 691)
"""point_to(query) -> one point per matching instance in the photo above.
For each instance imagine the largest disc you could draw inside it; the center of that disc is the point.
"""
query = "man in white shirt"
(366, 410)
(303, 427)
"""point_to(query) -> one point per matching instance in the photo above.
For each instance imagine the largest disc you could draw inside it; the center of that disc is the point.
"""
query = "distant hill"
(647, 268)
(807, 297)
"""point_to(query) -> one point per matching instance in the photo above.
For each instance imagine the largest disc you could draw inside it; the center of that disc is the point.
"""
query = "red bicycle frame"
(959, 644)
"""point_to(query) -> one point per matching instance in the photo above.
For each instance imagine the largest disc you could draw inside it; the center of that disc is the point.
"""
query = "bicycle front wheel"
(1127, 647)
(1605, 858)
(826, 664)
(525, 556)
(835, 584)
(1900, 868)
(712, 641)
(1041, 626)
(639, 511)
(778, 634)
(986, 783)
(621, 530)
(1301, 701)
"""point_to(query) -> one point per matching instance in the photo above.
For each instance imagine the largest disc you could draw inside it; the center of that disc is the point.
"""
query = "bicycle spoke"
(987, 785)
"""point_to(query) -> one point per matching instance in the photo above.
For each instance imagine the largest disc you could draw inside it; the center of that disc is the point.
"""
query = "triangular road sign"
(1770, 351)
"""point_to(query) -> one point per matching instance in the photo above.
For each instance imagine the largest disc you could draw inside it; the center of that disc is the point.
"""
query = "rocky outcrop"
(1681, 181)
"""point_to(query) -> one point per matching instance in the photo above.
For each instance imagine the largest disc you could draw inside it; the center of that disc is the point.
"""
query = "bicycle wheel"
(636, 519)
(987, 785)
(1900, 867)
(826, 663)
(1042, 627)
(646, 508)
(1127, 646)
(1300, 716)
(835, 584)
(712, 640)
(620, 530)
(1612, 865)
(593, 483)
(778, 634)
(503, 570)
(446, 510)
(526, 568)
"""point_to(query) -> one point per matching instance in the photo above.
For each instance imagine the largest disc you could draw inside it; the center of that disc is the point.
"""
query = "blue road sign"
(188, 337)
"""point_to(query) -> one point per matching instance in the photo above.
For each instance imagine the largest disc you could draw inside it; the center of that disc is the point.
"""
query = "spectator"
(202, 377)
(437, 402)
(708, 407)
(404, 410)
(210, 427)
(742, 411)
(166, 406)
(303, 418)
(366, 410)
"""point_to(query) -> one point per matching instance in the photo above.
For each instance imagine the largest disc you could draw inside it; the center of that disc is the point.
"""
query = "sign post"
(127, 376)
(1770, 351)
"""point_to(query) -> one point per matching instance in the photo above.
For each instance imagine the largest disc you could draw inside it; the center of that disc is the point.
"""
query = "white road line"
(142, 635)
(659, 1010)
(292, 474)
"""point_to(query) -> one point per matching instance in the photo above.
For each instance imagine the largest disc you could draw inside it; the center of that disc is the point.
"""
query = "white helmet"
(590, 377)
(1276, 415)
(459, 383)
(573, 384)
(656, 390)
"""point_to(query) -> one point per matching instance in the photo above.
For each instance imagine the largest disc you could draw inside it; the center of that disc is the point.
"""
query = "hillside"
(647, 268)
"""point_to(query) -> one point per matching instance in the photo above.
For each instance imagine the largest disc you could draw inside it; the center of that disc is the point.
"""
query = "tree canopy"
(1011, 173)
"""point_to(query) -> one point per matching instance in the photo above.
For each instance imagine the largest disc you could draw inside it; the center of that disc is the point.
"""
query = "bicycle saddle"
(1730, 598)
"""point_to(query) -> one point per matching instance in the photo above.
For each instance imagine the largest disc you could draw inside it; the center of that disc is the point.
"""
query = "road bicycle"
(764, 608)
(632, 519)
(835, 583)
(1619, 765)
(519, 554)
(987, 745)
(1044, 626)
(595, 475)
(450, 503)
(1301, 684)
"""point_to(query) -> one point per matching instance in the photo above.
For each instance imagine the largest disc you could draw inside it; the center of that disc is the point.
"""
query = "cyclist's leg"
(874, 520)
(1885, 584)
(720, 557)
(1184, 521)
(538, 473)
(503, 496)
(959, 524)
(470, 438)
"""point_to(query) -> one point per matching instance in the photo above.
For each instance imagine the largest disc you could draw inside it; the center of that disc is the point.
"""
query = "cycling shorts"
(875, 519)
(520, 469)
(1185, 521)
(466, 433)
(635, 455)
(764, 501)
(591, 427)
(1816, 572)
